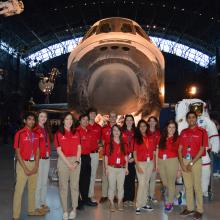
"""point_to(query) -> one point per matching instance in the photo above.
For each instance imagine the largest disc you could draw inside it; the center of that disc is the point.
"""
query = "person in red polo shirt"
(116, 166)
(26, 145)
(95, 130)
(145, 163)
(106, 131)
(67, 143)
(154, 137)
(168, 160)
(193, 141)
(128, 130)
(85, 173)
(42, 128)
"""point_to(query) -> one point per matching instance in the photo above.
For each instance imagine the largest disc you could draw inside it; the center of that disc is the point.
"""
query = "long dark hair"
(61, 128)
(124, 126)
(155, 119)
(122, 147)
(46, 125)
(138, 135)
(164, 135)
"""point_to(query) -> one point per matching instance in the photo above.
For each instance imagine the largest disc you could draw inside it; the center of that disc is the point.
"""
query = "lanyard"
(31, 141)
(45, 136)
(130, 138)
(118, 152)
(146, 142)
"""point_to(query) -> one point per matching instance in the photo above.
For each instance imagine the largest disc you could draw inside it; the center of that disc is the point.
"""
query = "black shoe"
(138, 211)
(80, 207)
(147, 208)
(91, 203)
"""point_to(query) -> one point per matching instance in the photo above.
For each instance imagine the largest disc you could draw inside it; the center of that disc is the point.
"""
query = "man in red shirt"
(106, 131)
(85, 172)
(26, 145)
(95, 131)
(193, 141)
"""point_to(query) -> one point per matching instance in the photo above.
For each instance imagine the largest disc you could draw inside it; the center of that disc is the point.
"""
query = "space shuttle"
(116, 67)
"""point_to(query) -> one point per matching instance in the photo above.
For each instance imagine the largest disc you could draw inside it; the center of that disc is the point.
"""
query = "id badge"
(32, 157)
(47, 154)
(118, 161)
(188, 156)
(148, 159)
(164, 156)
(130, 156)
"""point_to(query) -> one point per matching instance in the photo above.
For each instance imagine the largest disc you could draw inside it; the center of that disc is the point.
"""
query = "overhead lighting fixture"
(193, 90)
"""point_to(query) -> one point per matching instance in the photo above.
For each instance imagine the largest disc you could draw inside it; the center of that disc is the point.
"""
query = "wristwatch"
(191, 163)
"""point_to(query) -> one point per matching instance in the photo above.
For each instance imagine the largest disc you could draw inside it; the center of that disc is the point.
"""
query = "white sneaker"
(206, 194)
(65, 216)
(72, 215)
(216, 175)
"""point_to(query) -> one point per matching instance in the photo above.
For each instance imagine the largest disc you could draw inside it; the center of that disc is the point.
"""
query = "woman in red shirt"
(42, 129)
(145, 163)
(116, 163)
(154, 137)
(67, 143)
(128, 130)
(168, 160)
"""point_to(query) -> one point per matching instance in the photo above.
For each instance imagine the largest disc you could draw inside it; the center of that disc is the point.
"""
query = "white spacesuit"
(11, 7)
(203, 121)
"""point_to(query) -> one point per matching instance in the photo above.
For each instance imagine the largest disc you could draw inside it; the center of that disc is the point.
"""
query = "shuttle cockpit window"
(91, 32)
(126, 28)
(105, 28)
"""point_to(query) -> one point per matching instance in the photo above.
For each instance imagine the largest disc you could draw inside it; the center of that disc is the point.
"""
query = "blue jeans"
(216, 163)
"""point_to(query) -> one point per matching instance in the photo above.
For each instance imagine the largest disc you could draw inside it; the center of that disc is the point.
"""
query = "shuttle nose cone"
(114, 87)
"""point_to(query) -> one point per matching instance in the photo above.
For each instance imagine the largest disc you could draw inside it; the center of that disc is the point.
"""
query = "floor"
(212, 208)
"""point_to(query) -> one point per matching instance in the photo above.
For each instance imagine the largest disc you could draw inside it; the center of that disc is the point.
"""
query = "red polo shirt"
(28, 141)
(154, 138)
(85, 140)
(144, 150)
(95, 131)
(116, 158)
(68, 142)
(171, 150)
(106, 131)
(195, 138)
(44, 141)
(128, 137)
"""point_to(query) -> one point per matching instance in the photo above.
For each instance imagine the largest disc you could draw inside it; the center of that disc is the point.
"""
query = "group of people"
(129, 151)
